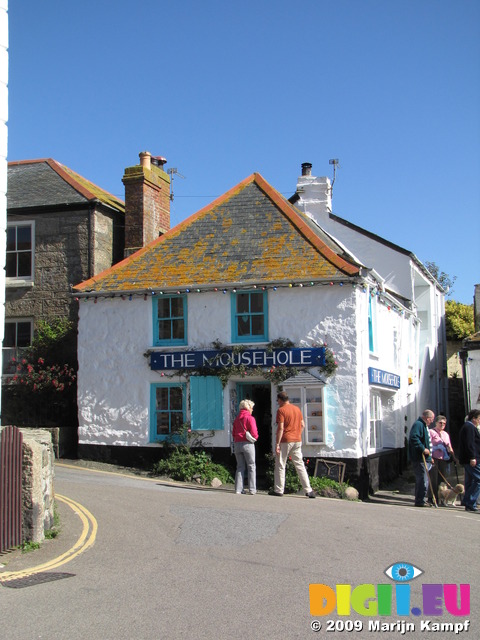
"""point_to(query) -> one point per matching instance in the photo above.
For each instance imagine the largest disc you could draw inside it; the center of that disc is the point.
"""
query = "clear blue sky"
(225, 88)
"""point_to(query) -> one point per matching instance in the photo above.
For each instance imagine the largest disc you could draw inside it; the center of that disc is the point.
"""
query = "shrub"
(186, 465)
(325, 487)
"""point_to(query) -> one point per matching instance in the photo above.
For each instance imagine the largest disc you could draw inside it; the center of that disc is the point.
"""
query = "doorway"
(260, 393)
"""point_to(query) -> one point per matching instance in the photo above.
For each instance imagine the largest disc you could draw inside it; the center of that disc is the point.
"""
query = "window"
(169, 320)
(249, 316)
(167, 410)
(375, 421)
(19, 263)
(18, 335)
(372, 323)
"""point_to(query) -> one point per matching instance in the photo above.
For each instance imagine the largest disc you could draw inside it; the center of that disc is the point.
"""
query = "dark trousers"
(421, 481)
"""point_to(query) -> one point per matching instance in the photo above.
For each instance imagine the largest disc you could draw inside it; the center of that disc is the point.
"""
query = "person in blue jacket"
(420, 450)
(470, 458)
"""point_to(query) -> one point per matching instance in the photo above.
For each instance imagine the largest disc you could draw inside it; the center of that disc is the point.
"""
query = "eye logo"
(403, 572)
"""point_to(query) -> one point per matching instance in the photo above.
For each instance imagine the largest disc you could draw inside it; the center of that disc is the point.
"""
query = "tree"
(459, 320)
(441, 277)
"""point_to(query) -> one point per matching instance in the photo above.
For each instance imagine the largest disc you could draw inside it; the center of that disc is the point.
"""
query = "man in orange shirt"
(290, 425)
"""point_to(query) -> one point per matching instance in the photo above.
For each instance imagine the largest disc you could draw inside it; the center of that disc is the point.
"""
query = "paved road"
(171, 562)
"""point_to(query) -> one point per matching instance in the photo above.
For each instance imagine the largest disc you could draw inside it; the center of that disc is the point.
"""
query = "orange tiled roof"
(251, 234)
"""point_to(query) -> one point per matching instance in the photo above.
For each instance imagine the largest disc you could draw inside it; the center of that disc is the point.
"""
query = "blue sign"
(383, 378)
(298, 357)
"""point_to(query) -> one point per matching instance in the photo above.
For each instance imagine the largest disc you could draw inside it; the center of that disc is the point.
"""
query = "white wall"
(114, 376)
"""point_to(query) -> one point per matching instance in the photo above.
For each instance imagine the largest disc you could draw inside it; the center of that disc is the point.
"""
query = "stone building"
(251, 294)
(61, 229)
(470, 358)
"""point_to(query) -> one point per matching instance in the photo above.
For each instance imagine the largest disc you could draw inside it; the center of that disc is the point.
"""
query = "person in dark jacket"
(420, 450)
(469, 456)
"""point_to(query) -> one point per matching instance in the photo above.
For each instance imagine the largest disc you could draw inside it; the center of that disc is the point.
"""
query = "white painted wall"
(114, 376)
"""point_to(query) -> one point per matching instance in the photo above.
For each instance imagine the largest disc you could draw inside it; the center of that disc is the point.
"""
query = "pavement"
(77, 529)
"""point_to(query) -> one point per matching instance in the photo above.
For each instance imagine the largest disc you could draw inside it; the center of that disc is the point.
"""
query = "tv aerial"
(335, 163)
(173, 171)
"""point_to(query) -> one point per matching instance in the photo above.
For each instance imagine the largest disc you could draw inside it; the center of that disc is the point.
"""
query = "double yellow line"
(86, 540)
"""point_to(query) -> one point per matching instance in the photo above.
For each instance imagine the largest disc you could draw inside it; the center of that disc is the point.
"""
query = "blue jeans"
(245, 455)
(472, 486)
(421, 481)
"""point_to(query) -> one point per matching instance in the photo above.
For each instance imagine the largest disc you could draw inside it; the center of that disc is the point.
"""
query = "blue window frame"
(372, 323)
(167, 410)
(249, 316)
(169, 320)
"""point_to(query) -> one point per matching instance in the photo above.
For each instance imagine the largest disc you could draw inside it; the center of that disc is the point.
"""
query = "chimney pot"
(145, 159)
(159, 161)
(306, 169)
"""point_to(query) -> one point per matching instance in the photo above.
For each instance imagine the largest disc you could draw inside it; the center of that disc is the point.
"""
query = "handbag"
(249, 436)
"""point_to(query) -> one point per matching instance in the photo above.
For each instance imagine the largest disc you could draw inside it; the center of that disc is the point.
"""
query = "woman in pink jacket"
(243, 448)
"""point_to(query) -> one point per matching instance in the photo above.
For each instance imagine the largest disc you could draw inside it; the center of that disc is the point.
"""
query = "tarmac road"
(158, 561)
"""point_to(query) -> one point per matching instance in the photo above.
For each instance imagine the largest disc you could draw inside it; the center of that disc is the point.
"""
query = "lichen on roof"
(251, 234)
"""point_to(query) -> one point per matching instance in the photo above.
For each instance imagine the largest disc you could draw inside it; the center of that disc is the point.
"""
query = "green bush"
(325, 487)
(186, 465)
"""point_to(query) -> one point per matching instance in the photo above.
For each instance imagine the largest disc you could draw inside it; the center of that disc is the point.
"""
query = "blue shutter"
(206, 406)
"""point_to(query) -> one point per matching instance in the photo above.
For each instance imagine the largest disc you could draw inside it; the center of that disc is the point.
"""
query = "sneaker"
(311, 494)
(472, 509)
(274, 493)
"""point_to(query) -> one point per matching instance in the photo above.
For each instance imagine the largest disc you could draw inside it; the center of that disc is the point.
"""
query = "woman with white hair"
(244, 447)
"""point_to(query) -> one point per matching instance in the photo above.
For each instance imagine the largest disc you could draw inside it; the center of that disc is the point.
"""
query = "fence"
(10, 487)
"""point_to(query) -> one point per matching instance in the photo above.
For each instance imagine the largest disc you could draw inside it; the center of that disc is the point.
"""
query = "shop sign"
(296, 357)
(383, 378)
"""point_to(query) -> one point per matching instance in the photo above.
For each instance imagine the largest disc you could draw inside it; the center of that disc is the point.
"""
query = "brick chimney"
(147, 201)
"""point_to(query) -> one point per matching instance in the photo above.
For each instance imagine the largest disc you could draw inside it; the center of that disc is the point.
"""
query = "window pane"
(256, 302)
(243, 300)
(178, 329)
(162, 397)
(23, 334)
(177, 421)
(10, 335)
(164, 308)
(176, 399)
(177, 307)
(164, 329)
(11, 238)
(24, 238)
(257, 325)
(243, 326)
(24, 264)
(11, 265)
(162, 424)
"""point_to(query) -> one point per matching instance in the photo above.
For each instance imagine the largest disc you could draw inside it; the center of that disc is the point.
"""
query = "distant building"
(238, 301)
(470, 357)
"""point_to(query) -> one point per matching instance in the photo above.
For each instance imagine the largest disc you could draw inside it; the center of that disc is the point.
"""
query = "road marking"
(86, 540)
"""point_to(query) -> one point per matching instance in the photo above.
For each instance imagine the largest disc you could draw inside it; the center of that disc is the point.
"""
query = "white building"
(257, 285)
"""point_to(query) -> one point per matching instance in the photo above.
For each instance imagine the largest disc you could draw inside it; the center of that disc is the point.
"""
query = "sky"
(390, 88)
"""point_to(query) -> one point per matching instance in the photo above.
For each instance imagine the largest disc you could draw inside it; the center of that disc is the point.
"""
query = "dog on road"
(448, 495)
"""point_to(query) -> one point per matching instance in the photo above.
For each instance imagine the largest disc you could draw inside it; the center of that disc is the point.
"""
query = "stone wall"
(37, 484)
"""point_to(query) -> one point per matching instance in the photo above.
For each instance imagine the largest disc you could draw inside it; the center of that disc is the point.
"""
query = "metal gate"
(11, 440)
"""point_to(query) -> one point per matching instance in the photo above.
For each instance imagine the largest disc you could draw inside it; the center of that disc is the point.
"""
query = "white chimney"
(315, 195)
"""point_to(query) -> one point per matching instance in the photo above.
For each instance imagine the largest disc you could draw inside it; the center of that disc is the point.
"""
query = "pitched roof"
(47, 183)
(251, 234)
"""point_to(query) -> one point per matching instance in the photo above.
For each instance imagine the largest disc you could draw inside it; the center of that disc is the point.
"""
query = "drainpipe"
(90, 265)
